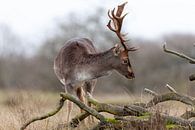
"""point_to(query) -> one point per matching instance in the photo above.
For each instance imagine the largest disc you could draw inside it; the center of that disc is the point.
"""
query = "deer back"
(72, 55)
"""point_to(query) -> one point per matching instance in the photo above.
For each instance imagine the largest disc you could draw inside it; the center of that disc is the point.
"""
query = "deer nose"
(130, 75)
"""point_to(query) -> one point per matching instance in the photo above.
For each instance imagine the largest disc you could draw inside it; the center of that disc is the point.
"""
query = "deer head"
(122, 65)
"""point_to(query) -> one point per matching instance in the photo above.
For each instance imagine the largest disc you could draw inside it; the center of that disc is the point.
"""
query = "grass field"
(18, 106)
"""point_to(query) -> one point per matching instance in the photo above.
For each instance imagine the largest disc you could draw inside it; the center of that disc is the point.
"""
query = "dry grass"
(18, 106)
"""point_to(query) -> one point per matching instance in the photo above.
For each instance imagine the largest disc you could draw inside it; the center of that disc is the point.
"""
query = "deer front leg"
(89, 87)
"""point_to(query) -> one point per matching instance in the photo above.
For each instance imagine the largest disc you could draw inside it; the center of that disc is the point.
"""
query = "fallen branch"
(134, 111)
(65, 96)
(154, 121)
(173, 95)
(58, 108)
(139, 109)
(83, 106)
(100, 107)
(188, 114)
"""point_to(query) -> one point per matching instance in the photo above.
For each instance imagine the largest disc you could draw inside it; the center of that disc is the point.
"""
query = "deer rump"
(70, 65)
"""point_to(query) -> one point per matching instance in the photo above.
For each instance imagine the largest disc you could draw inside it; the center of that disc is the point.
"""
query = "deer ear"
(116, 50)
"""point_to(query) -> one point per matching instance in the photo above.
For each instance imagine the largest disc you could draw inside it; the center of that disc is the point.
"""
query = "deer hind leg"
(69, 110)
(80, 95)
(89, 87)
(69, 89)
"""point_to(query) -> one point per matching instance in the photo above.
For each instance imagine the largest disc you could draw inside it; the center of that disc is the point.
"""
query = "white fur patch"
(81, 76)
(55, 68)
(62, 81)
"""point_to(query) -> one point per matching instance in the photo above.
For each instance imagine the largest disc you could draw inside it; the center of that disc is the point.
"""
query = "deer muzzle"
(130, 75)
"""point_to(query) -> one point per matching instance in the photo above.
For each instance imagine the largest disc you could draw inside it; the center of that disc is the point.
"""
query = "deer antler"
(117, 21)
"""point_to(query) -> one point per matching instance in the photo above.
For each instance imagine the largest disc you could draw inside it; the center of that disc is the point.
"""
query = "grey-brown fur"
(78, 65)
(80, 54)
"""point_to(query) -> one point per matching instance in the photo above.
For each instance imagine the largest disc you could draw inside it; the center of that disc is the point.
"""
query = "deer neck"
(97, 65)
(101, 61)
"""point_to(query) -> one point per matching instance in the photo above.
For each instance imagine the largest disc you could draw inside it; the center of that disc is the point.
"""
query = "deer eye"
(125, 61)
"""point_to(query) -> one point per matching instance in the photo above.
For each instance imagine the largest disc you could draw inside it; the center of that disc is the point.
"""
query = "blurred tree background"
(153, 68)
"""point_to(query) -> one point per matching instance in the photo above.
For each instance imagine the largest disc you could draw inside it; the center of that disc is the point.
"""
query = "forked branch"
(65, 96)
(47, 115)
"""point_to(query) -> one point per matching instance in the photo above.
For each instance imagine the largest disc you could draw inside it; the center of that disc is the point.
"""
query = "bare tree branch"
(150, 92)
(171, 88)
(171, 96)
(188, 114)
(65, 96)
(191, 60)
(90, 110)
(57, 109)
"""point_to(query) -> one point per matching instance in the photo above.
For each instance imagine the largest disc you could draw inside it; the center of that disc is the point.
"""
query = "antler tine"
(110, 27)
(109, 15)
(121, 10)
(114, 22)
(117, 21)
(132, 49)
(124, 34)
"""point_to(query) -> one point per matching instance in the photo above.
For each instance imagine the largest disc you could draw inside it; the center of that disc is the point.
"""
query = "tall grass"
(18, 106)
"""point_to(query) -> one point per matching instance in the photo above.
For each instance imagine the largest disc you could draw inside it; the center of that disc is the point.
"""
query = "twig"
(171, 88)
(150, 92)
(191, 60)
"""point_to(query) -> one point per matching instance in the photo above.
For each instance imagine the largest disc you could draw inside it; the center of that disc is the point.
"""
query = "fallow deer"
(78, 64)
